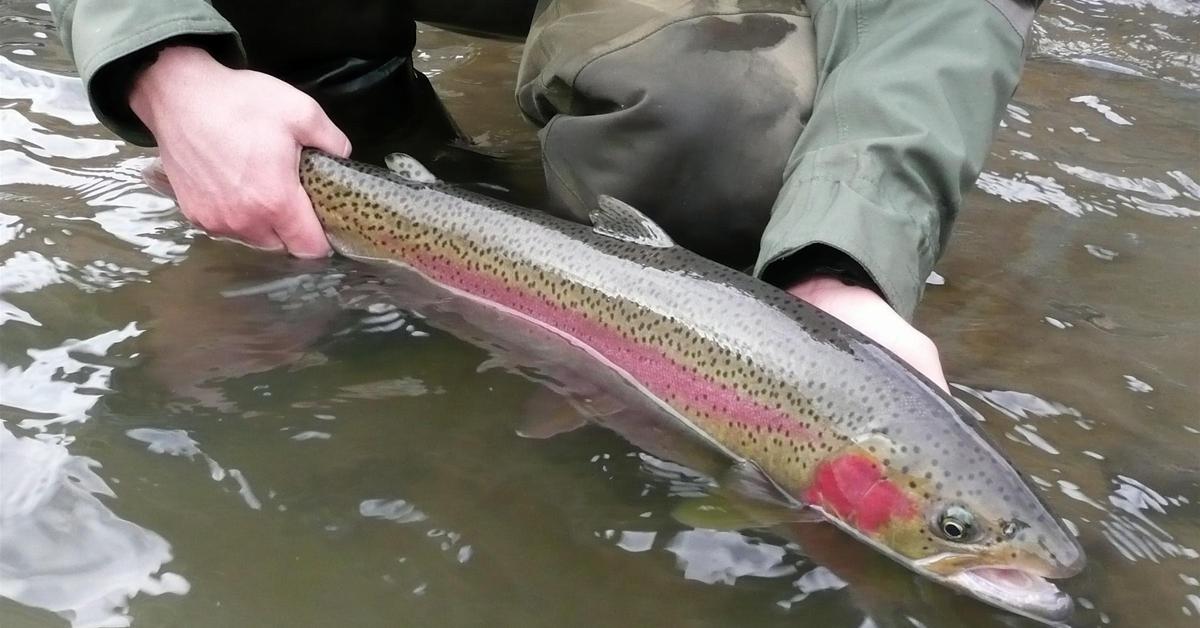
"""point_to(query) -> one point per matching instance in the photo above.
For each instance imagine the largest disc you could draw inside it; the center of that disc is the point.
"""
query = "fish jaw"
(1015, 590)
(1019, 585)
(883, 489)
(880, 507)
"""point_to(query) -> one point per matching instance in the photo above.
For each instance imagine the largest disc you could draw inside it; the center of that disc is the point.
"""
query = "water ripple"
(75, 557)
(49, 94)
(1143, 37)
(44, 142)
(1021, 188)
(59, 385)
(717, 556)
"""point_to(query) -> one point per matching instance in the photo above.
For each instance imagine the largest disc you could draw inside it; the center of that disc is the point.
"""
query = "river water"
(196, 434)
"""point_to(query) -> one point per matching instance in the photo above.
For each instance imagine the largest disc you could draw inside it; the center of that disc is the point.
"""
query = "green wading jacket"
(910, 93)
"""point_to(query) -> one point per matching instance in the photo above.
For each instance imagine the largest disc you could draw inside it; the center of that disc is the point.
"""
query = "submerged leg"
(687, 111)
(384, 104)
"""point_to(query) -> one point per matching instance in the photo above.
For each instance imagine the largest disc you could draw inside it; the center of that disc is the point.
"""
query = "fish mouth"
(1014, 589)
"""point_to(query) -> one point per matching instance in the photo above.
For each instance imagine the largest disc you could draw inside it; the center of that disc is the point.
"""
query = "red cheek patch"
(854, 488)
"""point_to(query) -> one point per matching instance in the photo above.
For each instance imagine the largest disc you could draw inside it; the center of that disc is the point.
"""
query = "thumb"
(321, 133)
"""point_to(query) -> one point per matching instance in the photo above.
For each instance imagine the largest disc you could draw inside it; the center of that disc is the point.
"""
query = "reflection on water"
(65, 551)
(1145, 38)
(1123, 508)
(57, 386)
(47, 93)
(712, 556)
(277, 442)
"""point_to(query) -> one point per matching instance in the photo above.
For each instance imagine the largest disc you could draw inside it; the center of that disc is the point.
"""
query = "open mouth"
(1016, 590)
(1010, 588)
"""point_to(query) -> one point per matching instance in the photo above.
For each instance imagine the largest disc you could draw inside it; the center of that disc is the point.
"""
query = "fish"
(795, 399)
(831, 419)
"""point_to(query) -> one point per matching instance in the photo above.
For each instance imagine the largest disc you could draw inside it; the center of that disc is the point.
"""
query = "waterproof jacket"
(909, 94)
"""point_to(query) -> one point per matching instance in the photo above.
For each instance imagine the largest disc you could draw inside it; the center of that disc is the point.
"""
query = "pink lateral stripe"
(654, 370)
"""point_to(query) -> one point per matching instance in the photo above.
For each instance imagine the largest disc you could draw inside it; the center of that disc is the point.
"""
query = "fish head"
(950, 507)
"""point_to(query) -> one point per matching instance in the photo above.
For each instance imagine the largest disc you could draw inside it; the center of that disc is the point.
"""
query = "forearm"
(910, 94)
(113, 47)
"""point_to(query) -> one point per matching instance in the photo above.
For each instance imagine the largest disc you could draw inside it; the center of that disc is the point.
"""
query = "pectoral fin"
(711, 513)
(719, 512)
(744, 498)
(747, 481)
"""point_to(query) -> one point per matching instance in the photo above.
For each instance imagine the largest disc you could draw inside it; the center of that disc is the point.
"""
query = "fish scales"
(831, 417)
(660, 314)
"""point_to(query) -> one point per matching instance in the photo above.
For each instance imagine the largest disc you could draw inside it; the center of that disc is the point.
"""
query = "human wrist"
(820, 289)
(819, 265)
(168, 69)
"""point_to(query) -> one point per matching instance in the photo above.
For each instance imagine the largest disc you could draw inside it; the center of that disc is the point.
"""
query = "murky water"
(195, 434)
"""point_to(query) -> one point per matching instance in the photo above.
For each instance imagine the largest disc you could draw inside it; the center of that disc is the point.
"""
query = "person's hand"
(230, 145)
(866, 311)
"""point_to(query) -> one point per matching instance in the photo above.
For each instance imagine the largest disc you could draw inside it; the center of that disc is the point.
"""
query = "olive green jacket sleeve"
(105, 37)
(910, 93)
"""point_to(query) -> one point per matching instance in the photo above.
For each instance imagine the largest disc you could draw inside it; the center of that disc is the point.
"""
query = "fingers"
(866, 311)
(299, 229)
(275, 214)
(239, 226)
(234, 169)
(315, 129)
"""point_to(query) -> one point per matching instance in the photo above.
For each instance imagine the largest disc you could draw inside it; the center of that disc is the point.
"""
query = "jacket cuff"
(108, 70)
(885, 240)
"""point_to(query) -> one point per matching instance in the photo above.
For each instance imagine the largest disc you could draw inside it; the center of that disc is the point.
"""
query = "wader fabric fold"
(755, 131)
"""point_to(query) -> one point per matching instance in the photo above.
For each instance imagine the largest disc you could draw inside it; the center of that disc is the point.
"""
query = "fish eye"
(957, 524)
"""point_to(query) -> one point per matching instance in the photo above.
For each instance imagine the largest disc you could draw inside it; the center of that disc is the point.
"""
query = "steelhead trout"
(836, 422)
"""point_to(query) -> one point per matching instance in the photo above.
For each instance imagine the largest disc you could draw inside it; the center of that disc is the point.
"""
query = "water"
(196, 434)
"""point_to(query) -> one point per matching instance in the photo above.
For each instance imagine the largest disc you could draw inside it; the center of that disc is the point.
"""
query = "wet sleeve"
(109, 40)
(910, 93)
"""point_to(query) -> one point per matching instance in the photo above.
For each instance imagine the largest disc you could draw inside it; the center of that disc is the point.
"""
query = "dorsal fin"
(616, 219)
(407, 167)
